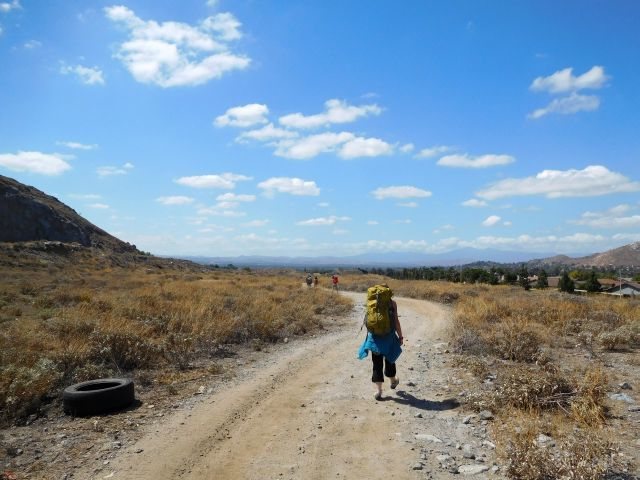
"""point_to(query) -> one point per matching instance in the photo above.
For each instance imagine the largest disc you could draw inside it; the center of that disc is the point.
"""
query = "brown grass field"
(541, 361)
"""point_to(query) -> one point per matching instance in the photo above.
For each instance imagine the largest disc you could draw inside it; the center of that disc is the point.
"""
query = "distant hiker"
(315, 281)
(384, 336)
(309, 280)
(334, 280)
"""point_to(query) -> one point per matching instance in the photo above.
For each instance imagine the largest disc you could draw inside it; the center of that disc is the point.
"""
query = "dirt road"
(309, 413)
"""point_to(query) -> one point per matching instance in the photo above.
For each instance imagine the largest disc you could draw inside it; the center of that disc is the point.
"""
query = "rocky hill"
(625, 256)
(27, 214)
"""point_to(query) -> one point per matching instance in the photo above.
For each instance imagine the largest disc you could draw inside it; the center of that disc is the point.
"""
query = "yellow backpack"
(379, 313)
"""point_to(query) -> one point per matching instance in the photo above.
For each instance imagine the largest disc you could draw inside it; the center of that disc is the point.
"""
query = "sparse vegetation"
(61, 327)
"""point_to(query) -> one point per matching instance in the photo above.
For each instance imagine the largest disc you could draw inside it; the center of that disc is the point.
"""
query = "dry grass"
(59, 327)
(536, 384)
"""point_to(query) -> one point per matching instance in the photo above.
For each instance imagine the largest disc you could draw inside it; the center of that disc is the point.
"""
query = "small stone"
(428, 438)
(622, 397)
(139, 450)
(443, 458)
(201, 390)
(544, 440)
(488, 444)
(485, 415)
(466, 420)
(286, 340)
(472, 469)
(467, 452)
(418, 415)
(411, 384)
(417, 466)
(634, 408)
(625, 386)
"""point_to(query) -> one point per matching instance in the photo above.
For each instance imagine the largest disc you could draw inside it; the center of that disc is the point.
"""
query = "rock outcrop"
(27, 214)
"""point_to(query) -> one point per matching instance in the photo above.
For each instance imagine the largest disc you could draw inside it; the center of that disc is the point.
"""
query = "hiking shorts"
(389, 368)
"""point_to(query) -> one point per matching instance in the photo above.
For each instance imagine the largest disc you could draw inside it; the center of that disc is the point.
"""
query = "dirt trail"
(309, 413)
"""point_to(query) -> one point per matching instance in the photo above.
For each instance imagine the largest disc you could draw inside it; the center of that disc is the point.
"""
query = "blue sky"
(329, 127)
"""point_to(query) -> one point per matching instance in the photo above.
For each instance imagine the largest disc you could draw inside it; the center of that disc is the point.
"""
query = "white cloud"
(365, 147)
(225, 180)
(433, 151)
(32, 44)
(613, 218)
(564, 81)
(323, 204)
(313, 145)
(407, 148)
(212, 3)
(408, 204)
(405, 221)
(293, 186)
(507, 223)
(6, 7)
(267, 133)
(233, 197)
(482, 161)
(217, 211)
(108, 171)
(87, 75)
(85, 196)
(574, 103)
(77, 146)
(99, 206)
(323, 221)
(475, 203)
(175, 200)
(373, 222)
(336, 111)
(592, 181)
(404, 191)
(443, 228)
(491, 220)
(256, 223)
(243, 116)
(35, 162)
(171, 54)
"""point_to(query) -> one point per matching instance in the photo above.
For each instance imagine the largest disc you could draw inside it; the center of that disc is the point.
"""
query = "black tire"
(98, 396)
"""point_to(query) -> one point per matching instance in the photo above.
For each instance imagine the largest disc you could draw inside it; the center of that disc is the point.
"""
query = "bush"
(125, 350)
(23, 388)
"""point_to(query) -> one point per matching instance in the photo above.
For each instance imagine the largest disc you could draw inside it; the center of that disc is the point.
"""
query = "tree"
(523, 277)
(592, 284)
(542, 282)
(566, 284)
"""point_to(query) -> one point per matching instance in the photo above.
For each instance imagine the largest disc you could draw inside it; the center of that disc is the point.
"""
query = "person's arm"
(396, 320)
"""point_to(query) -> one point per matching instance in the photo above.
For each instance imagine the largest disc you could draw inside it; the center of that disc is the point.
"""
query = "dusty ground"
(302, 410)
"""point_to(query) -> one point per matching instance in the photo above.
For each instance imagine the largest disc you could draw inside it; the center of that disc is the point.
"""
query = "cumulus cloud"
(482, 161)
(6, 7)
(404, 191)
(175, 200)
(234, 197)
(243, 116)
(256, 223)
(594, 180)
(323, 221)
(171, 54)
(615, 217)
(224, 181)
(35, 162)
(108, 171)
(313, 145)
(474, 203)
(77, 145)
(490, 221)
(564, 81)
(364, 147)
(32, 44)
(266, 134)
(336, 111)
(87, 75)
(220, 211)
(292, 186)
(407, 148)
(433, 151)
(574, 103)
(99, 206)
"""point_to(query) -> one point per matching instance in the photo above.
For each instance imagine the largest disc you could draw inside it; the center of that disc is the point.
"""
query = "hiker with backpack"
(384, 336)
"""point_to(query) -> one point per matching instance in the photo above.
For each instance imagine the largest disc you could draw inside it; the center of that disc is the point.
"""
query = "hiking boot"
(394, 383)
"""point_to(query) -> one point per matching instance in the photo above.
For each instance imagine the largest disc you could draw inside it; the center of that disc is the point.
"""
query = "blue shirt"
(387, 345)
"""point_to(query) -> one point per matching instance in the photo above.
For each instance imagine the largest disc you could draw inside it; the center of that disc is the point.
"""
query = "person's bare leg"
(379, 390)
